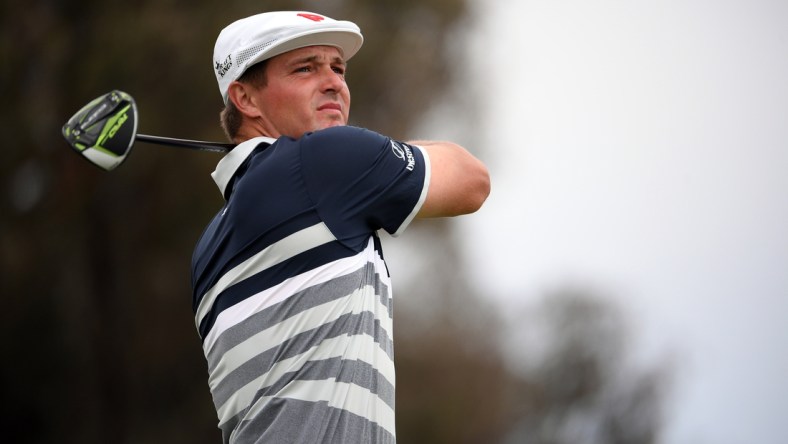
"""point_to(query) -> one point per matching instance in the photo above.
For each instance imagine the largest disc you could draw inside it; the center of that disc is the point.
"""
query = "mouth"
(330, 107)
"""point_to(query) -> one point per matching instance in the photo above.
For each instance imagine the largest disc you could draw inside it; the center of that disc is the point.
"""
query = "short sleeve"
(362, 180)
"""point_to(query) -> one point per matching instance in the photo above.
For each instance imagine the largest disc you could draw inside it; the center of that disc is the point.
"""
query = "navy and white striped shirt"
(292, 297)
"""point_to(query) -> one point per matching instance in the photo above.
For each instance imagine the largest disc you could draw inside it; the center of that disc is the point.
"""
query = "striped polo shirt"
(291, 295)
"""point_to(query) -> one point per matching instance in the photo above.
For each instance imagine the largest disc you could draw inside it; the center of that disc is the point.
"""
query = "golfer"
(292, 298)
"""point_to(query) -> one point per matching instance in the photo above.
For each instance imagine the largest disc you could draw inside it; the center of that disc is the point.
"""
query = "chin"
(332, 124)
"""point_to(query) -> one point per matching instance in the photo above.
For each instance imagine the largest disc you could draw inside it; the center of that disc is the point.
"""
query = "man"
(292, 297)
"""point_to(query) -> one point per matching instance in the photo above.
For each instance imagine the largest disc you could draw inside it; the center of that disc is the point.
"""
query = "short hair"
(230, 118)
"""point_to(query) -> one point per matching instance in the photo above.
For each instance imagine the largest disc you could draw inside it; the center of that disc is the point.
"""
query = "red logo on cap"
(313, 17)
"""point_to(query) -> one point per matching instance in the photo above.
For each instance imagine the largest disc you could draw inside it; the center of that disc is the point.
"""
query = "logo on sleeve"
(405, 153)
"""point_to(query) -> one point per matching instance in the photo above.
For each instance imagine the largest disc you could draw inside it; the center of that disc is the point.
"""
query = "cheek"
(288, 106)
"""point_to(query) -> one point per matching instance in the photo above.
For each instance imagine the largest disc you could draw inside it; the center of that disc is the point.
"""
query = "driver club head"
(104, 130)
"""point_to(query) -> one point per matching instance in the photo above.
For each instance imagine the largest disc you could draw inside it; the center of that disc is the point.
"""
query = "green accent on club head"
(110, 128)
(103, 131)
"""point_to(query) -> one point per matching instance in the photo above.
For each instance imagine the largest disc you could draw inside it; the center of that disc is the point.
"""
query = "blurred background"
(624, 283)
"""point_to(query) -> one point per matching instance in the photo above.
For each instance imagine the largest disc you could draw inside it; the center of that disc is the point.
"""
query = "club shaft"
(200, 145)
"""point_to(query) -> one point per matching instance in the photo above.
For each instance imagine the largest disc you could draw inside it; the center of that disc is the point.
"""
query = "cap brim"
(348, 43)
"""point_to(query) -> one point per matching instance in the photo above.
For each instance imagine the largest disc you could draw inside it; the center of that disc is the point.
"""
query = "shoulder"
(342, 148)
(343, 137)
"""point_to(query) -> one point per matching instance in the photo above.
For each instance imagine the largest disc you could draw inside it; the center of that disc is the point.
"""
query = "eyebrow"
(314, 58)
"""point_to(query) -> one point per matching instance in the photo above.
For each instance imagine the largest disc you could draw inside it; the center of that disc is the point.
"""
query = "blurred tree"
(578, 384)
(556, 373)
(94, 267)
(452, 380)
(97, 333)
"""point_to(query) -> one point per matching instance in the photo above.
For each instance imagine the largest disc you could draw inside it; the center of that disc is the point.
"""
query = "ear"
(241, 96)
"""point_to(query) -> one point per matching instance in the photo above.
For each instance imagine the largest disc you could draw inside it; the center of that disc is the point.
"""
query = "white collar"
(226, 168)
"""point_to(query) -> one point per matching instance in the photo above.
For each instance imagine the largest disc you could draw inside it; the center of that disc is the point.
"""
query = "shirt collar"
(226, 168)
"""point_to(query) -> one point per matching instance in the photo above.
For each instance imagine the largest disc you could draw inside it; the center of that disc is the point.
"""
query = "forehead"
(329, 53)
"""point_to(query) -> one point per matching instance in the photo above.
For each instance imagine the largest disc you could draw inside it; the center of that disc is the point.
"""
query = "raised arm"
(459, 182)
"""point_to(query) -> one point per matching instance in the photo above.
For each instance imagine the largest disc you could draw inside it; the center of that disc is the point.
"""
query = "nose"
(332, 81)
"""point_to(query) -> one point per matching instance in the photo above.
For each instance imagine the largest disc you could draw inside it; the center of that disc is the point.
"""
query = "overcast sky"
(641, 147)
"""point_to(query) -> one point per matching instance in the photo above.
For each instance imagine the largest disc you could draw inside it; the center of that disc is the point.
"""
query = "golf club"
(105, 129)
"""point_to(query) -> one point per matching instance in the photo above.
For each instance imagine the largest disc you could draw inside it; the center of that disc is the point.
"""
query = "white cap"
(259, 37)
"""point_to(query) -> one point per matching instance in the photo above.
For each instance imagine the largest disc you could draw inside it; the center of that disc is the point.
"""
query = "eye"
(339, 70)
